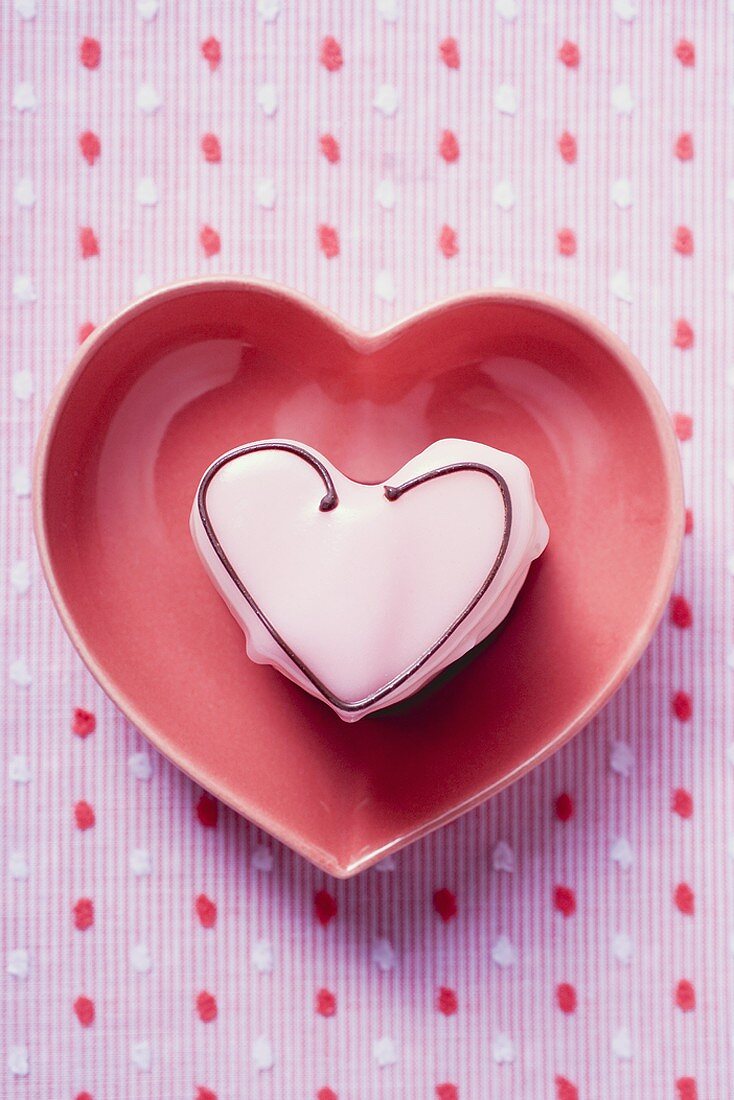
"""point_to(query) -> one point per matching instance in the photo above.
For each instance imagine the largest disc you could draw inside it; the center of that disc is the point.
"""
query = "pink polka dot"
(566, 239)
(564, 900)
(563, 807)
(447, 242)
(447, 1002)
(83, 914)
(682, 803)
(325, 1003)
(685, 995)
(569, 54)
(210, 241)
(447, 1091)
(328, 241)
(567, 147)
(211, 51)
(683, 241)
(449, 147)
(330, 54)
(685, 899)
(566, 998)
(683, 336)
(89, 146)
(685, 52)
(211, 148)
(206, 911)
(90, 53)
(444, 903)
(684, 147)
(88, 242)
(330, 148)
(83, 815)
(680, 612)
(682, 706)
(84, 1011)
(206, 1007)
(683, 425)
(685, 1088)
(83, 721)
(449, 53)
(325, 907)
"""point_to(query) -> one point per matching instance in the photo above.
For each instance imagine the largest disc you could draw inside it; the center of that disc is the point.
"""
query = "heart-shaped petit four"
(359, 593)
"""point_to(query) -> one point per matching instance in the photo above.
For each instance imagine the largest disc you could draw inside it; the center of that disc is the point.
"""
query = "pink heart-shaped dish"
(194, 370)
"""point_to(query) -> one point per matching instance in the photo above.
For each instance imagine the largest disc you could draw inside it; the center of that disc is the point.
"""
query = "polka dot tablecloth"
(572, 940)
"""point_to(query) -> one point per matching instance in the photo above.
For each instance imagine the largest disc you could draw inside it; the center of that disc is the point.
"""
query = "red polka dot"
(206, 1007)
(563, 807)
(447, 1002)
(210, 241)
(211, 51)
(444, 903)
(683, 240)
(566, 239)
(85, 330)
(88, 242)
(84, 1011)
(685, 1088)
(325, 1003)
(684, 147)
(449, 51)
(330, 148)
(89, 146)
(682, 803)
(682, 706)
(207, 811)
(325, 907)
(685, 899)
(683, 337)
(326, 1094)
(83, 913)
(203, 1093)
(688, 528)
(680, 612)
(449, 147)
(685, 52)
(565, 1089)
(564, 900)
(328, 241)
(90, 53)
(447, 242)
(447, 1091)
(83, 1096)
(83, 721)
(685, 995)
(567, 147)
(83, 815)
(211, 148)
(566, 998)
(683, 425)
(330, 54)
(569, 54)
(206, 911)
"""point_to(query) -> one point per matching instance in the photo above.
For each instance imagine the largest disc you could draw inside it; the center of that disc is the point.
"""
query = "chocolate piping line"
(328, 502)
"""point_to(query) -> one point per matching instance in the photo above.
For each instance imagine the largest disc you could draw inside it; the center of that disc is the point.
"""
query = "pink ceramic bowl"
(190, 371)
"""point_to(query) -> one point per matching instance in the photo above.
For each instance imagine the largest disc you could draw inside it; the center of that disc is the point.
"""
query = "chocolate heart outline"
(328, 502)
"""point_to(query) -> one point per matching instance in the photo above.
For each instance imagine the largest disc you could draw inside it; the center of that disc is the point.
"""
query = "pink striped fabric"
(570, 940)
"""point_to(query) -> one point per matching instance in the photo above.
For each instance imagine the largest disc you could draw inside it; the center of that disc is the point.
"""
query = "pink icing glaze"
(360, 592)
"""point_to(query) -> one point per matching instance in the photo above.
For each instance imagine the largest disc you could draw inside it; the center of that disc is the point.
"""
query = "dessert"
(359, 593)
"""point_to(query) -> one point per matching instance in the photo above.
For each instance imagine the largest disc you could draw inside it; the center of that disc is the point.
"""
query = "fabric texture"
(571, 939)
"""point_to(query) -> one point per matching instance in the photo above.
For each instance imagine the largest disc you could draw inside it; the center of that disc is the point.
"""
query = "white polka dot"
(622, 99)
(503, 195)
(385, 194)
(503, 1049)
(18, 866)
(507, 9)
(730, 753)
(503, 953)
(140, 862)
(387, 863)
(23, 289)
(505, 99)
(18, 962)
(19, 770)
(730, 377)
(622, 1044)
(620, 286)
(503, 857)
(269, 10)
(730, 470)
(20, 577)
(142, 285)
(24, 97)
(262, 859)
(626, 10)
(26, 9)
(140, 959)
(730, 564)
(141, 1055)
(19, 673)
(22, 385)
(621, 193)
(148, 99)
(148, 9)
(730, 283)
(621, 853)
(385, 286)
(622, 947)
(22, 481)
(621, 758)
(389, 10)
(18, 1061)
(385, 1051)
(147, 192)
(262, 1053)
(503, 281)
(262, 956)
(731, 846)
(383, 954)
(387, 99)
(265, 193)
(140, 766)
(267, 99)
(730, 190)
(730, 658)
(25, 193)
